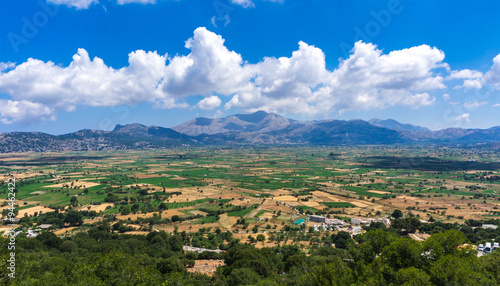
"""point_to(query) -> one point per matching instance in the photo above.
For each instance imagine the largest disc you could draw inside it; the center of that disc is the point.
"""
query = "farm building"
(334, 221)
(489, 226)
(317, 218)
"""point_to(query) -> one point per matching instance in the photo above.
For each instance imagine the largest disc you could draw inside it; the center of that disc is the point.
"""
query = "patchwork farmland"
(254, 188)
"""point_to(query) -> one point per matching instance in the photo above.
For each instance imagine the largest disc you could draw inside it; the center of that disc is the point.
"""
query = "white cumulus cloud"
(210, 67)
(465, 73)
(6, 66)
(85, 82)
(492, 77)
(121, 2)
(78, 4)
(462, 118)
(472, 83)
(23, 111)
(367, 79)
(244, 3)
(209, 102)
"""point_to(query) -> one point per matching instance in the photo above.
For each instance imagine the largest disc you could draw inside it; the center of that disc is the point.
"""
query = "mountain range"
(259, 128)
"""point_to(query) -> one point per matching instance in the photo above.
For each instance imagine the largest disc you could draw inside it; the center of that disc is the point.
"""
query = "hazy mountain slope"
(395, 125)
(247, 129)
(259, 121)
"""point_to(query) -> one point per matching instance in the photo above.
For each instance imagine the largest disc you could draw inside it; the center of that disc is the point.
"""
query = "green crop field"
(284, 182)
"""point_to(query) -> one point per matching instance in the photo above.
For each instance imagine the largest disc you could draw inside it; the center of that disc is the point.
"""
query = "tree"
(74, 218)
(170, 265)
(251, 239)
(412, 276)
(50, 239)
(73, 200)
(403, 253)
(406, 225)
(261, 237)
(397, 214)
(135, 207)
(454, 270)
(342, 240)
(445, 243)
(243, 276)
(68, 246)
(336, 273)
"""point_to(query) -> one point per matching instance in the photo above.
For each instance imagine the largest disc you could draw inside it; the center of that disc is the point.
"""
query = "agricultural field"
(254, 189)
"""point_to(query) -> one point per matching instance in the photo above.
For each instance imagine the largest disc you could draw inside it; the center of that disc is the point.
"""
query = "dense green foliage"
(381, 256)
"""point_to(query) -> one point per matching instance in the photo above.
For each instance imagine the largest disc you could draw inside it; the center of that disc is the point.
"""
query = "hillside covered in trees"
(381, 256)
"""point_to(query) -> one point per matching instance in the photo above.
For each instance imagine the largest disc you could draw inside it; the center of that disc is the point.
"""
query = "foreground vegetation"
(122, 218)
(381, 256)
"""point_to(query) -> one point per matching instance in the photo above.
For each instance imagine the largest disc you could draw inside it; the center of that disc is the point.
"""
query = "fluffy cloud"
(6, 66)
(23, 111)
(474, 104)
(475, 79)
(367, 79)
(210, 67)
(492, 77)
(462, 118)
(244, 3)
(472, 83)
(466, 73)
(472, 78)
(84, 82)
(78, 4)
(250, 4)
(209, 103)
(85, 4)
(121, 2)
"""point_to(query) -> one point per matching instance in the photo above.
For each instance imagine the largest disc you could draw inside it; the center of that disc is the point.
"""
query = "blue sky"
(73, 64)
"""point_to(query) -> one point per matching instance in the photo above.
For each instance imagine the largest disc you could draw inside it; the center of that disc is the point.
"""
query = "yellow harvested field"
(179, 178)
(378, 192)
(31, 211)
(165, 214)
(17, 176)
(188, 227)
(4, 229)
(64, 230)
(359, 204)
(137, 232)
(97, 208)
(325, 197)
(79, 183)
(311, 204)
(198, 213)
(286, 198)
(226, 221)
